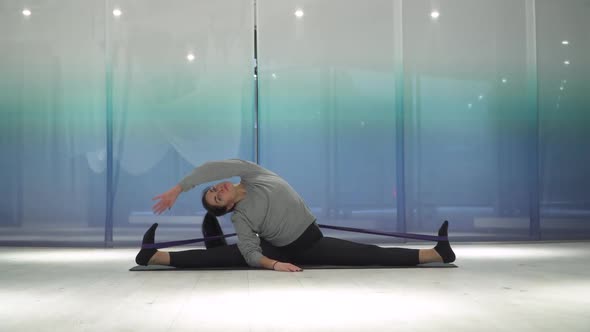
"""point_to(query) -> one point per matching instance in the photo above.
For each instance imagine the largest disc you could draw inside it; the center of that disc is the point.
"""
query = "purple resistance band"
(340, 228)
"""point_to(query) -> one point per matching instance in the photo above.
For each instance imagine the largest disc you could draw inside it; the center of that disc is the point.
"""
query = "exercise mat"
(311, 267)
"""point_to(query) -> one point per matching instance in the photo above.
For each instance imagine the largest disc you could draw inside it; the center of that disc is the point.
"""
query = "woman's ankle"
(160, 258)
(154, 259)
(429, 256)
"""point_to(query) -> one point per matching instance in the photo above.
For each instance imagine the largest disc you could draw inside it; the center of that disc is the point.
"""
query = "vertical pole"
(533, 107)
(108, 231)
(399, 114)
(256, 116)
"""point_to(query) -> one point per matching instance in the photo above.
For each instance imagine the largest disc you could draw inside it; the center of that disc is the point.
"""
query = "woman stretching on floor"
(275, 228)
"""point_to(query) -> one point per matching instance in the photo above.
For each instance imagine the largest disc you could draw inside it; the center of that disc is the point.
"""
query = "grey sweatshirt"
(271, 209)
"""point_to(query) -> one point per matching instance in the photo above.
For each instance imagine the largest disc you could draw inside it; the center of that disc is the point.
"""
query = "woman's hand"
(286, 267)
(166, 200)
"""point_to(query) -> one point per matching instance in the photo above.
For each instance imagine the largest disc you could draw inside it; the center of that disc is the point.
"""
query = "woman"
(276, 230)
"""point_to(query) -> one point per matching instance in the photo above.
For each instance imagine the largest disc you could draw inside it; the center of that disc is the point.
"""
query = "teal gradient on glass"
(52, 121)
(564, 105)
(62, 73)
(470, 112)
(327, 106)
(182, 94)
(469, 132)
(493, 122)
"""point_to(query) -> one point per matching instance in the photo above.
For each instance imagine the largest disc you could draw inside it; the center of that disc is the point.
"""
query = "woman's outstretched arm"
(166, 200)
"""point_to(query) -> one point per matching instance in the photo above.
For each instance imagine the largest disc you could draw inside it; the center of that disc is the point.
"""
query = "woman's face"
(221, 194)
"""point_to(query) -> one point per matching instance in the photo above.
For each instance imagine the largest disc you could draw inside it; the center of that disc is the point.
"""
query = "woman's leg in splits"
(222, 256)
(332, 251)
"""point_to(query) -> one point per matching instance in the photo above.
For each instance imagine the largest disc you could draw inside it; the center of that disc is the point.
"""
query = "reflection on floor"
(497, 287)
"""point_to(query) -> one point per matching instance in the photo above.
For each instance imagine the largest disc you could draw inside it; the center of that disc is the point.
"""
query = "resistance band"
(340, 228)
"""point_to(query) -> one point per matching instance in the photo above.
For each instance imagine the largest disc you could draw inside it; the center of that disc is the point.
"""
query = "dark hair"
(217, 211)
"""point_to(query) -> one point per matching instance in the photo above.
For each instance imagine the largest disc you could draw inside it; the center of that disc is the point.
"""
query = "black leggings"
(311, 248)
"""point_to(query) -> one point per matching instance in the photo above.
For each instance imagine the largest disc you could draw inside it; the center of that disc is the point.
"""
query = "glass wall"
(182, 94)
(52, 122)
(564, 112)
(390, 114)
(327, 105)
(170, 83)
(469, 130)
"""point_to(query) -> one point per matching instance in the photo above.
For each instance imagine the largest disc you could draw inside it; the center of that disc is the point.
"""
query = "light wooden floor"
(497, 287)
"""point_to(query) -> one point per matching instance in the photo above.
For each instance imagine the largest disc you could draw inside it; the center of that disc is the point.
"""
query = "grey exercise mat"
(315, 267)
